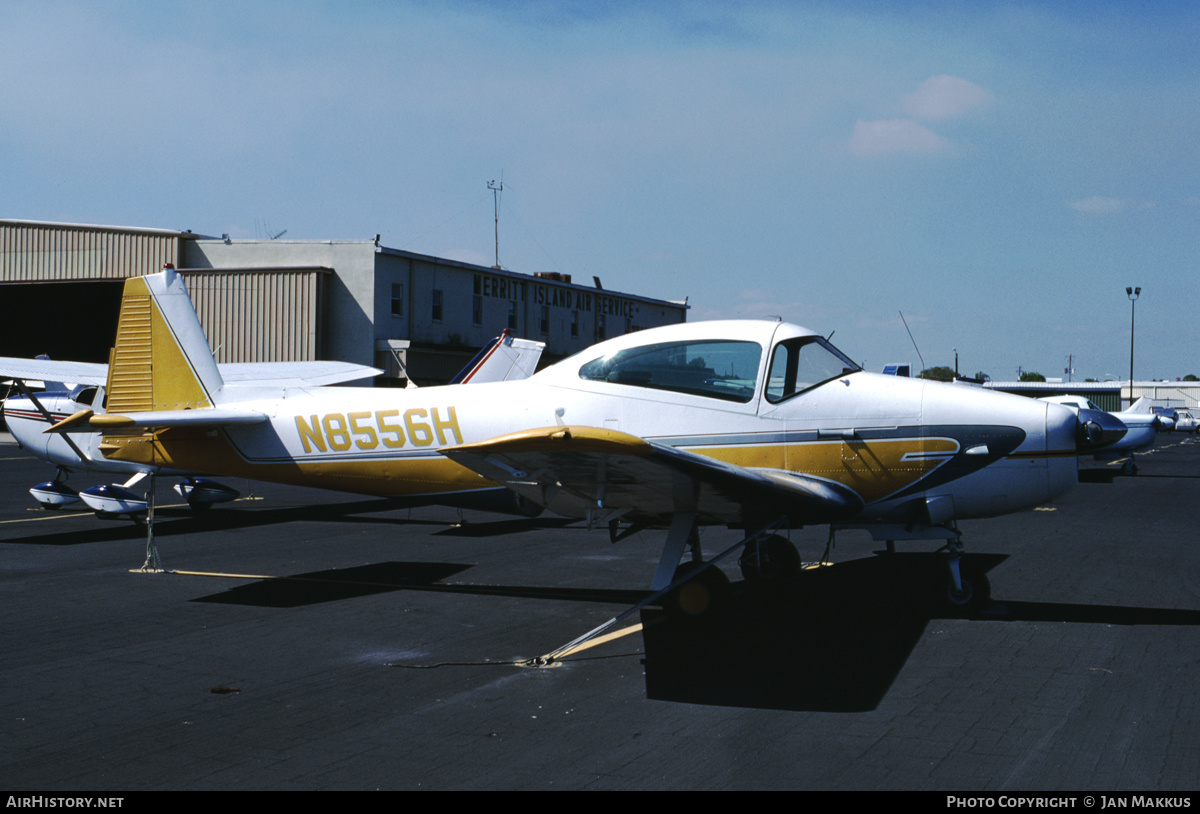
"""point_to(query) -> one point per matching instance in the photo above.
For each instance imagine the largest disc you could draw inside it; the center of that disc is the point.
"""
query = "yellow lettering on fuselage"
(450, 423)
(310, 432)
(387, 428)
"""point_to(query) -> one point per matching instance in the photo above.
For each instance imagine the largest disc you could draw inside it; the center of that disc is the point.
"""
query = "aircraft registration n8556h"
(752, 424)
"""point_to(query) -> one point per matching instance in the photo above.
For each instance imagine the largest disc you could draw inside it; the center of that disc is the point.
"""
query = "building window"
(601, 327)
(477, 310)
(544, 323)
(437, 305)
(512, 316)
(575, 324)
(398, 299)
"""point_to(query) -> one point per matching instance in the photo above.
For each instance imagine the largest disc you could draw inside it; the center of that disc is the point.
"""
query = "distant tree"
(983, 377)
(938, 374)
(1031, 376)
(1191, 377)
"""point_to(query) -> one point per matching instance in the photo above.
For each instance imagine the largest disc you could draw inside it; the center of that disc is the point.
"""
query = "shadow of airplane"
(346, 583)
(178, 520)
(835, 640)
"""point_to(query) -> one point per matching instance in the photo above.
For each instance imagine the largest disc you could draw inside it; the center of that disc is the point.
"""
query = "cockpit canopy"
(801, 363)
(715, 368)
(725, 369)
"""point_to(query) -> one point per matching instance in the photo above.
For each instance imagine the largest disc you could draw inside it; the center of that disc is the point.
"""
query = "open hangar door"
(73, 321)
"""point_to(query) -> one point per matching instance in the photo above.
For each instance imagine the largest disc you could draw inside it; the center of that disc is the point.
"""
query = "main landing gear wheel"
(698, 595)
(772, 560)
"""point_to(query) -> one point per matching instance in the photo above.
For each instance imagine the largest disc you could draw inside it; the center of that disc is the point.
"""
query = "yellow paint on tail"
(147, 370)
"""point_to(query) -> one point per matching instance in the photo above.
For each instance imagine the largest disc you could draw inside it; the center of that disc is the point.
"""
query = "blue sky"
(999, 172)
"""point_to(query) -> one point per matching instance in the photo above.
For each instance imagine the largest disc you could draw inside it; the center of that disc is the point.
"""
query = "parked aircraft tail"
(505, 358)
(161, 360)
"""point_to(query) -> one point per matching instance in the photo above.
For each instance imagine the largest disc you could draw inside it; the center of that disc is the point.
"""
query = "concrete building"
(1112, 396)
(413, 315)
(1105, 395)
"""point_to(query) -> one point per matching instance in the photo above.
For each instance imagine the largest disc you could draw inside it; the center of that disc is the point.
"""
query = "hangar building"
(415, 316)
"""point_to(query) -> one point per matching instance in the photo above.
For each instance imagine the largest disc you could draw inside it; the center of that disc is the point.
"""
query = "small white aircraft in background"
(750, 424)
(1142, 429)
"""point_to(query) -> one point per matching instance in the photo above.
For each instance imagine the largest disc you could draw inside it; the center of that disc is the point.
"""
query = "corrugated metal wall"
(40, 252)
(260, 315)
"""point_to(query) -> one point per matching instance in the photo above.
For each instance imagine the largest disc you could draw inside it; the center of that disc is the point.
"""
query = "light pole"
(1132, 293)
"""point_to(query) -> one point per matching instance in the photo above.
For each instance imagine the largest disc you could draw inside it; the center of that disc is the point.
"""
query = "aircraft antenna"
(496, 190)
(910, 336)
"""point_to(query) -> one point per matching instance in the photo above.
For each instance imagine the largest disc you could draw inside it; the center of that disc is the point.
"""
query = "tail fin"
(161, 360)
(505, 358)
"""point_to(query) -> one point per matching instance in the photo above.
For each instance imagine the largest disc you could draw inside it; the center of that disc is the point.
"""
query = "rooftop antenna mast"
(910, 336)
(496, 190)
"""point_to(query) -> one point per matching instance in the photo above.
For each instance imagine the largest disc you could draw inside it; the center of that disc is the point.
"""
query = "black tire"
(976, 592)
(699, 595)
(773, 560)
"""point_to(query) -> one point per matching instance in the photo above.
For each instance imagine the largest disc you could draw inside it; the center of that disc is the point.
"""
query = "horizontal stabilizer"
(263, 374)
(162, 419)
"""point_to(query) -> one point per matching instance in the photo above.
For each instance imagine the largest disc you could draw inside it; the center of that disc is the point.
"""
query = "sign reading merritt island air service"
(503, 288)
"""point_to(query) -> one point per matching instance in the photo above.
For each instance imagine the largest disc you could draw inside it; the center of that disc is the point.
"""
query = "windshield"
(802, 363)
(720, 369)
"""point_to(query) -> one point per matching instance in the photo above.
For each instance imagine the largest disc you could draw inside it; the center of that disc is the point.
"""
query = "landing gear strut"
(964, 591)
(965, 588)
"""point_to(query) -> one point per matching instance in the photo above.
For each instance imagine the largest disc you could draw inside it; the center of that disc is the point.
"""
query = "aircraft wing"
(294, 374)
(50, 370)
(286, 374)
(590, 472)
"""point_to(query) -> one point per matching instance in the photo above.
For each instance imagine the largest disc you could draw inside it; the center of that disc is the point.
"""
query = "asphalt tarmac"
(313, 640)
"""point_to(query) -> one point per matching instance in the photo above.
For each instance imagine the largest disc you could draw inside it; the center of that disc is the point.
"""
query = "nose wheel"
(970, 590)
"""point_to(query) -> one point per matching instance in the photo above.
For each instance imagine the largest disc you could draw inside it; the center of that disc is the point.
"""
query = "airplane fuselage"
(959, 451)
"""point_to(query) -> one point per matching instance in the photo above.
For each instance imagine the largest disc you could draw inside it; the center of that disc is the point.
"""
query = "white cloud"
(890, 136)
(944, 97)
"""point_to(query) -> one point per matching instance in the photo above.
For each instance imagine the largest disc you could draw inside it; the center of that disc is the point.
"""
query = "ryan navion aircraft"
(751, 424)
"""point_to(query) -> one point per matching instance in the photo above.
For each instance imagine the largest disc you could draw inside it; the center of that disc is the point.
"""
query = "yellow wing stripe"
(552, 439)
(873, 469)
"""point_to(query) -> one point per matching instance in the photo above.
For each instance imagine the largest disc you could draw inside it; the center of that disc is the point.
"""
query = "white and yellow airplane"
(750, 424)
